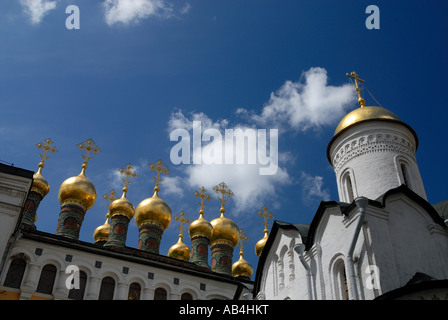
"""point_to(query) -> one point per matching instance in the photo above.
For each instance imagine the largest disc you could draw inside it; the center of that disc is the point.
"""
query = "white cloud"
(243, 179)
(37, 9)
(312, 188)
(305, 104)
(132, 11)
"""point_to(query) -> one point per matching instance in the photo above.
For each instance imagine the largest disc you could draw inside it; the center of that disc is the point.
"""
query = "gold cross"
(203, 196)
(129, 172)
(88, 146)
(160, 167)
(182, 220)
(240, 242)
(265, 214)
(47, 147)
(354, 76)
(224, 190)
(111, 197)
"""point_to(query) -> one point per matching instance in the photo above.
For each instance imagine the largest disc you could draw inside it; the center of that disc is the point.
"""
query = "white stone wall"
(13, 193)
(371, 153)
(394, 243)
(112, 267)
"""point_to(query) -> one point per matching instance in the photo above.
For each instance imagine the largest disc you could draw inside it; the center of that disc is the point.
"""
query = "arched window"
(186, 296)
(15, 273)
(160, 294)
(78, 294)
(405, 173)
(107, 289)
(134, 291)
(46, 280)
(340, 281)
(349, 188)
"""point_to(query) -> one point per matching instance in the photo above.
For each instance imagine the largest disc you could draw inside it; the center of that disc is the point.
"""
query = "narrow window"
(15, 273)
(340, 281)
(107, 289)
(160, 294)
(405, 173)
(349, 188)
(46, 280)
(134, 291)
(78, 294)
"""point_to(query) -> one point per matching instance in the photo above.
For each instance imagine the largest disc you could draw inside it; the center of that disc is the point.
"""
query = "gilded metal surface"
(123, 206)
(201, 227)
(40, 184)
(364, 114)
(224, 228)
(79, 189)
(101, 233)
(262, 242)
(154, 208)
(242, 268)
(180, 250)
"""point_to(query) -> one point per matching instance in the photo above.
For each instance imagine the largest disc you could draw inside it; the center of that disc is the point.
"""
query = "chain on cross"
(160, 167)
(354, 76)
(182, 220)
(88, 146)
(203, 196)
(128, 171)
(47, 146)
(224, 190)
(265, 214)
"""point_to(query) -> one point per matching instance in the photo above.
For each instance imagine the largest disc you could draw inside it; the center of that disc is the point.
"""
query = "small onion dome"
(180, 251)
(200, 227)
(122, 207)
(40, 185)
(153, 210)
(242, 268)
(79, 190)
(225, 229)
(260, 245)
(101, 233)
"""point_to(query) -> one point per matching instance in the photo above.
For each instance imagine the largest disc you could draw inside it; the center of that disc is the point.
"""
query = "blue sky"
(130, 74)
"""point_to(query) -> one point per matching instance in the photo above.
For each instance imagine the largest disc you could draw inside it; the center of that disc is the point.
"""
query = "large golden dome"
(40, 184)
(200, 228)
(101, 233)
(153, 209)
(79, 190)
(122, 207)
(242, 268)
(225, 229)
(180, 251)
(365, 114)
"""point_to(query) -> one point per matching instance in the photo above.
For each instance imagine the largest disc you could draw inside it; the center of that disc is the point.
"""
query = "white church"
(381, 240)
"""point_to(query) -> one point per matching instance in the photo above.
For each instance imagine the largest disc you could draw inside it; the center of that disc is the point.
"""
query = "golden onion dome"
(122, 206)
(365, 114)
(200, 228)
(79, 190)
(153, 209)
(102, 232)
(224, 229)
(242, 268)
(259, 246)
(180, 251)
(40, 184)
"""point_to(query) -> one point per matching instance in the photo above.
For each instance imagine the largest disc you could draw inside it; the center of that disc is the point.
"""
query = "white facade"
(98, 264)
(396, 241)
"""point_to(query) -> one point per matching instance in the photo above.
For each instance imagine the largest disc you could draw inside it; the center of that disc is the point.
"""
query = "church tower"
(373, 151)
